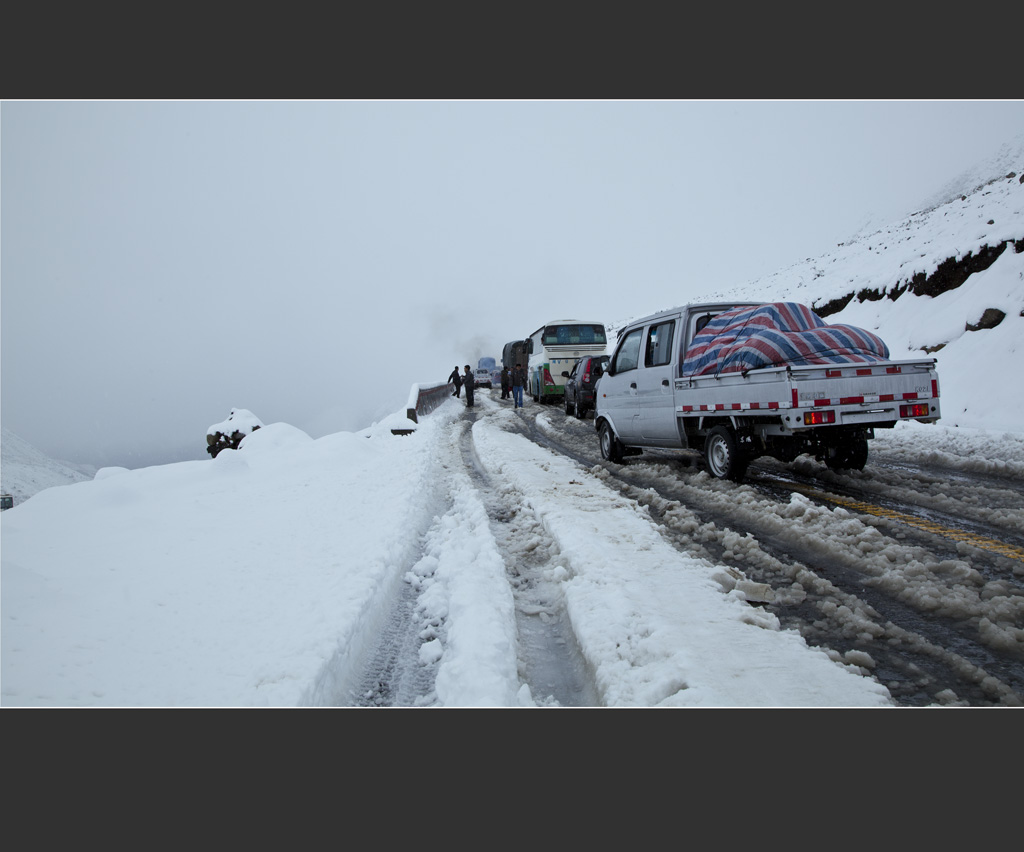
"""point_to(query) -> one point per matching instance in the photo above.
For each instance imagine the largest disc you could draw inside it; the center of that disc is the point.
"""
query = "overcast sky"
(164, 262)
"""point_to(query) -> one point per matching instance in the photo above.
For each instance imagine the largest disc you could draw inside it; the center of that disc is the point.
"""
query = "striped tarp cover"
(775, 334)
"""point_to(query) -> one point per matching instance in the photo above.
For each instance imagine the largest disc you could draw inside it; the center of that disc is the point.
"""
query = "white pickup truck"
(742, 380)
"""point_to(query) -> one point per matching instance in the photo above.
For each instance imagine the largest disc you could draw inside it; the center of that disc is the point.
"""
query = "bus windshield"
(574, 335)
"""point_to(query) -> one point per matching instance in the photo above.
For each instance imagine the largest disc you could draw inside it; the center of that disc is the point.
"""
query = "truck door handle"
(664, 383)
(633, 385)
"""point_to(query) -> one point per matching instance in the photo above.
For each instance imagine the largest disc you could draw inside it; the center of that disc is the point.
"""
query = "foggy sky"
(164, 262)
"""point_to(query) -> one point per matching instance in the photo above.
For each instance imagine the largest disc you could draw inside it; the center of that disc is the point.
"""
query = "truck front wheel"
(724, 458)
(611, 447)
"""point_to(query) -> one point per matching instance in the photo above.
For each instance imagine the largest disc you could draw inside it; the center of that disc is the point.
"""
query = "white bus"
(557, 346)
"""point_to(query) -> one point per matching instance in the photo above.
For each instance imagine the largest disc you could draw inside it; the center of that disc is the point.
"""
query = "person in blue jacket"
(518, 380)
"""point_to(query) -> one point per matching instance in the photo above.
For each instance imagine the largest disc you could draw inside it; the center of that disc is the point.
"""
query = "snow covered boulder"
(228, 434)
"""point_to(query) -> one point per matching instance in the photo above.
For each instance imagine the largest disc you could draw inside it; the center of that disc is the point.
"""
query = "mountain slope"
(904, 254)
(947, 281)
(25, 471)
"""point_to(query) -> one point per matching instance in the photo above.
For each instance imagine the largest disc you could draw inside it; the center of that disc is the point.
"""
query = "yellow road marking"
(1009, 550)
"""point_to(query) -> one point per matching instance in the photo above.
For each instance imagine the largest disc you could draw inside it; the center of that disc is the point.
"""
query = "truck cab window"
(628, 356)
(659, 345)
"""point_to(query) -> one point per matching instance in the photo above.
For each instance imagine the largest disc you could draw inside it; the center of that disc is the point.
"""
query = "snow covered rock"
(228, 434)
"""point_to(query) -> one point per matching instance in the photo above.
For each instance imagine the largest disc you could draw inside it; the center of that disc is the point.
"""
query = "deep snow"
(264, 576)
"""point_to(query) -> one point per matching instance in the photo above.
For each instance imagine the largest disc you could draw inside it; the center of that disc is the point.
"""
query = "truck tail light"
(548, 381)
(819, 418)
(918, 409)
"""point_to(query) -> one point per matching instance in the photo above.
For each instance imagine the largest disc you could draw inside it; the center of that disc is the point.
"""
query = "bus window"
(574, 334)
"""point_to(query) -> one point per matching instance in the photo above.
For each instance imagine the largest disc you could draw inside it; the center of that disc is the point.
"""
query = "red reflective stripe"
(910, 396)
(864, 372)
(736, 406)
(850, 400)
(822, 402)
(796, 401)
(719, 406)
(831, 374)
(894, 369)
(773, 405)
(886, 397)
(935, 388)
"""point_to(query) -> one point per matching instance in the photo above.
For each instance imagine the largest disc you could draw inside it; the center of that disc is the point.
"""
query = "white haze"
(164, 262)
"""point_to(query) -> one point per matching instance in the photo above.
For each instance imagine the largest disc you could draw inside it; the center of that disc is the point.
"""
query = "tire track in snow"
(402, 668)
(395, 675)
(396, 671)
(550, 661)
(920, 626)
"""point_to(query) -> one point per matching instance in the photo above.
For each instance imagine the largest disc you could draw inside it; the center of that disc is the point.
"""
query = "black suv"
(580, 384)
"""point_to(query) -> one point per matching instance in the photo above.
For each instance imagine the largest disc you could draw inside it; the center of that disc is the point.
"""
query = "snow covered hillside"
(947, 281)
(25, 470)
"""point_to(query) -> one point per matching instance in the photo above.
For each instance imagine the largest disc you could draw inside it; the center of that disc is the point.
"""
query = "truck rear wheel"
(852, 455)
(611, 447)
(724, 458)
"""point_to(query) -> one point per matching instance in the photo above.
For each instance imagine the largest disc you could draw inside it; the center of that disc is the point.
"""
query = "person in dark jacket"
(518, 381)
(506, 382)
(468, 381)
(457, 378)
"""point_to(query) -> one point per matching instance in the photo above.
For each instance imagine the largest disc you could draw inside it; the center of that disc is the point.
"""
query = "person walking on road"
(518, 380)
(457, 378)
(506, 382)
(467, 380)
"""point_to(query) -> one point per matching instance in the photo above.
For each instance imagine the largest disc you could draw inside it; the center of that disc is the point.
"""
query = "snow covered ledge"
(424, 398)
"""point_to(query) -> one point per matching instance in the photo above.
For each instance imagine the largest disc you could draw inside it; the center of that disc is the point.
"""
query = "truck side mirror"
(529, 346)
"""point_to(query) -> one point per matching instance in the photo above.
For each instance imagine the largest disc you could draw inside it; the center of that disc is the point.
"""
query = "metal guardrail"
(422, 400)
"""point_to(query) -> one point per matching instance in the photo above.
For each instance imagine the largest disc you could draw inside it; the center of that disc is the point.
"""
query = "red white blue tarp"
(774, 335)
